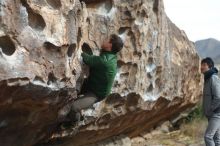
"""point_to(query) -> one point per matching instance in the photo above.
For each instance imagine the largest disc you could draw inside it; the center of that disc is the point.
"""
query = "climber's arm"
(91, 60)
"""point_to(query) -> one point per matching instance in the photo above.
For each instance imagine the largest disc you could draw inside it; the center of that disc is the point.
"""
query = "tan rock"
(41, 69)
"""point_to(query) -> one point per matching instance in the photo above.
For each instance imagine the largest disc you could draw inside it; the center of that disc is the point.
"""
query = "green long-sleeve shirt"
(103, 69)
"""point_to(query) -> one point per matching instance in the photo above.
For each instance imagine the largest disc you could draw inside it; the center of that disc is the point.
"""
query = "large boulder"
(41, 69)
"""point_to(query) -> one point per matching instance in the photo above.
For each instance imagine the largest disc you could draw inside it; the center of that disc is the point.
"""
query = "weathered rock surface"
(41, 69)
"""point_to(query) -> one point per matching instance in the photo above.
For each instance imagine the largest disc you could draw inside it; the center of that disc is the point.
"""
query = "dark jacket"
(103, 69)
(211, 94)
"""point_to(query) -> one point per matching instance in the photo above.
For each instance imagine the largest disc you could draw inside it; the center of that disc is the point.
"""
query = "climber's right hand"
(86, 48)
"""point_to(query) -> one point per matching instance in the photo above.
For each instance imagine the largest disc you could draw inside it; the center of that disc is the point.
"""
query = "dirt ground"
(190, 134)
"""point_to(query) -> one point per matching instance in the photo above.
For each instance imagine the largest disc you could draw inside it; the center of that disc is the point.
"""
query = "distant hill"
(209, 48)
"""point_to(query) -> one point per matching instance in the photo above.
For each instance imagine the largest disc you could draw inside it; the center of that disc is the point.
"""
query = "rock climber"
(102, 73)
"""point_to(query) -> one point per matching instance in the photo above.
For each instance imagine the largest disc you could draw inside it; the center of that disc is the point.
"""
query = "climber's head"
(113, 44)
(206, 64)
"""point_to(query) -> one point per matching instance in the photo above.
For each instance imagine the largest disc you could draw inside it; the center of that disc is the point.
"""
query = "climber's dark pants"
(83, 102)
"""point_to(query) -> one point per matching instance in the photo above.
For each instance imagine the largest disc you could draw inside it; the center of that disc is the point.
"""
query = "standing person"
(211, 102)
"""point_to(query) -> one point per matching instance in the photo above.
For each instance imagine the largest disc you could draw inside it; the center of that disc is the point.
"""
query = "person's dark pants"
(83, 102)
(71, 112)
(212, 134)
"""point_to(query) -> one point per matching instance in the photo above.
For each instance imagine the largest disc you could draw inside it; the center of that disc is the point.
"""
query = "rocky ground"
(186, 130)
(189, 134)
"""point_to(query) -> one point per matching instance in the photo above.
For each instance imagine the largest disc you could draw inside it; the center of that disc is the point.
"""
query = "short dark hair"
(117, 43)
(208, 61)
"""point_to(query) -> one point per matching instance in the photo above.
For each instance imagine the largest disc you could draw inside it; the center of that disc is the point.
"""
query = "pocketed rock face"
(41, 68)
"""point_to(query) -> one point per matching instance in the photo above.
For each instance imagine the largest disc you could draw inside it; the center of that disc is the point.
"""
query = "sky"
(200, 19)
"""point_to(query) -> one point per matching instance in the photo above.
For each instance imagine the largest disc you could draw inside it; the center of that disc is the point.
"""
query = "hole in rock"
(79, 13)
(79, 35)
(51, 78)
(159, 70)
(124, 75)
(7, 45)
(51, 46)
(150, 60)
(71, 49)
(158, 82)
(156, 6)
(56, 4)
(120, 63)
(37, 78)
(149, 75)
(133, 69)
(128, 14)
(88, 20)
(74, 72)
(132, 99)
(35, 20)
(144, 14)
(122, 30)
(65, 79)
(150, 88)
(86, 48)
(132, 39)
(138, 13)
(135, 53)
(113, 98)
